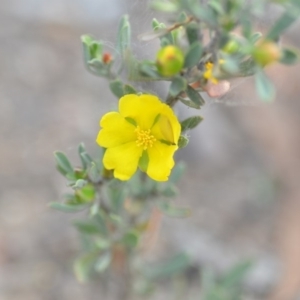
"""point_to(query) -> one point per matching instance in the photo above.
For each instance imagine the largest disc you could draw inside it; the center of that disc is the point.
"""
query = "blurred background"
(243, 162)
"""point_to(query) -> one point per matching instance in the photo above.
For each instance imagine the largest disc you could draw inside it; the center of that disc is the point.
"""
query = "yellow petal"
(123, 159)
(116, 131)
(160, 161)
(143, 109)
(167, 127)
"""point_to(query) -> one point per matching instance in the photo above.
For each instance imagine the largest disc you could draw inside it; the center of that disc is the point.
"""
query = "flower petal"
(143, 109)
(167, 126)
(123, 159)
(116, 131)
(160, 161)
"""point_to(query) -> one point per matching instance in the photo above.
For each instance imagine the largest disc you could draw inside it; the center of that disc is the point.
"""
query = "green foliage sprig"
(207, 44)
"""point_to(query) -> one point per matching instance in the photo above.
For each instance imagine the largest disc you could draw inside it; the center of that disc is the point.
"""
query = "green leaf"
(264, 86)
(102, 243)
(63, 163)
(128, 89)
(87, 193)
(177, 172)
(103, 262)
(164, 41)
(131, 239)
(85, 158)
(94, 173)
(167, 7)
(193, 55)
(195, 96)
(149, 71)
(236, 274)
(116, 88)
(190, 123)
(255, 37)
(283, 23)
(192, 33)
(205, 14)
(217, 6)
(84, 265)
(98, 67)
(86, 42)
(183, 141)
(69, 208)
(167, 269)
(289, 56)
(81, 149)
(170, 190)
(177, 86)
(116, 195)
(87, 227)
(155, 24)
(124, 35)
(172, 211)
(79, 184)
(189, 103)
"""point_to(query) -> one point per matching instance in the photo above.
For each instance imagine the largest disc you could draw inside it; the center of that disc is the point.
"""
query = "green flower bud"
(266, 52)
(169, 60)
(231, 46)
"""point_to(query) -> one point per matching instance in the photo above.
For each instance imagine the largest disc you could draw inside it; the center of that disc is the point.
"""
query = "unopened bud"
(169, 60)
(266, 52)
(231, 46)
(106, 58)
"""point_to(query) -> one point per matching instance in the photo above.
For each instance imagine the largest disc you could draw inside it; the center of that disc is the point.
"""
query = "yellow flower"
(208, 74)
(143, 133)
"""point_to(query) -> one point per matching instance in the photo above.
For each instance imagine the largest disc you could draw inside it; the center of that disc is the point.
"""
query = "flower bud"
(106, 58)
(169, 60)
(232, 46)
(266, 52)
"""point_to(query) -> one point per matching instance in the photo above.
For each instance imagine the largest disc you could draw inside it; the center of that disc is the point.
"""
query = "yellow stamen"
(144, 138)
(208, 74)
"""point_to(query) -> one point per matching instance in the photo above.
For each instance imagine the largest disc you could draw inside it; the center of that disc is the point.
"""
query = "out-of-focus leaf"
(194, 96)
(63, 163)
(167, 269)
(81, 149)
(102, 243)
(190, 123)
(177, 172)
(84, 265)
(255, 37)
(87, 193)
(116, 87)
(69, 208)
(264, 87)
(178, 85)
(79, 184)
(128, 89)
(131, 239)
(149, 71)
(192, 33)
(236, 274)
(124, 35)
(94, 173)
(182, 141)
(173, 211)
(189, 103)
(87, 227)
(283, 23)
(193, 55)
(167, 7)
(289, 56)
(103, 262)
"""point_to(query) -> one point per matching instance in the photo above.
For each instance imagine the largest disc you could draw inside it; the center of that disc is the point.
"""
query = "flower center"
(144, 138)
